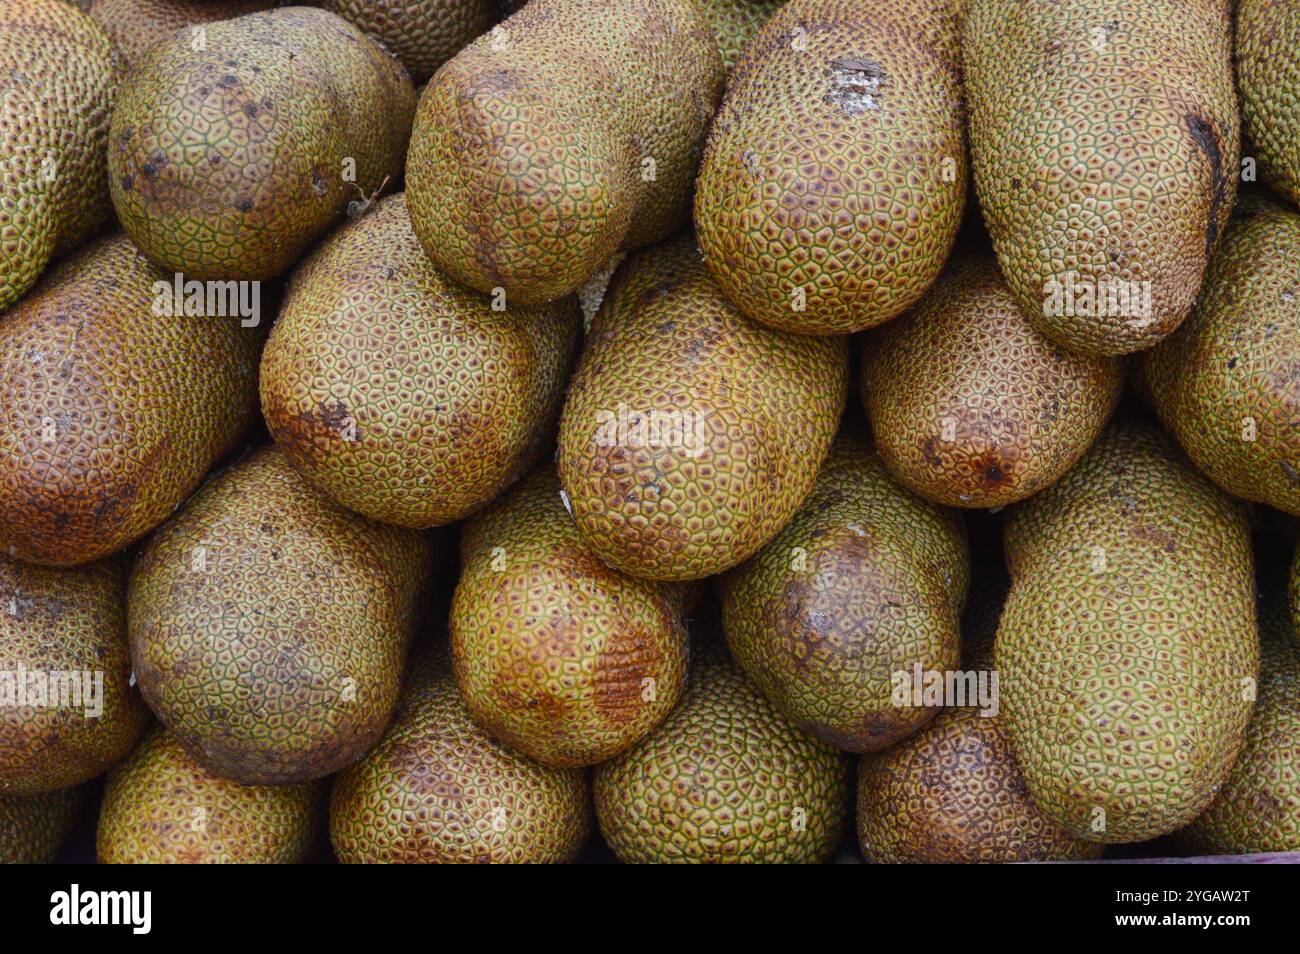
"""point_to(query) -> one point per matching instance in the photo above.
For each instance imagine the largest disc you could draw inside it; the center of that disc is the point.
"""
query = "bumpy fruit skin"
(162, 807)
(58, 83)
(269, 626)
(734, 24)
(970, 405)
(571, 131)
(1268, 75)
(439, 790)
(834, 178)
(725, 779)
(401, 394)
(690, 435)
(113, 412)
(1227, 383)
(33, 827)
(64, 624)
(423, 34)
(1295, 592)
(1105, 139)
(866, 581)
(1127, 639)
(228, 172)
(556, 654)
(135, 26)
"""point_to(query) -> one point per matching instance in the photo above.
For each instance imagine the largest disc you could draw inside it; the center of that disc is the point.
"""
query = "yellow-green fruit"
(67, 707)
(33, 827)
(1227, 384)
(423, 34)
(726, 778)
(226, 162)
(58, 82)
(1128, 642)
(135, 26)
(690, 434)
(970, 405)
(116, 404)
(735, 22)
(565, 659)
(162, 807)
(1105, 139)
(1268, 74)
(439, 790)
(865, 583)
(269, 626)
(401, 394)
(834, 178)
(569, 132)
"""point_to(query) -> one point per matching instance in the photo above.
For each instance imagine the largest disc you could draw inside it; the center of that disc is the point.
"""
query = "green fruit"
(834, 178)
(113, 410)
(437, 789)
(269, 626)
(162, 807)
(1105, 139)
(423, 34)
(227, 162)
(1128, 640)
(556, 654)
(724, 779)
(67, 707)
(566, 134)
(135, 26)
(690, 435)
(973, 407)
(401, 394)
(867, 581)
(734, 24)
(57, 87)
(33, 827)
(1268, 74)
(1227, 384)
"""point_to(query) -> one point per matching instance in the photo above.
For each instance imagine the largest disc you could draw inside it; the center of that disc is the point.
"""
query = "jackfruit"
(423, 34)
(34, 827)
(135, 26)
(734, 24)
(1268, 74)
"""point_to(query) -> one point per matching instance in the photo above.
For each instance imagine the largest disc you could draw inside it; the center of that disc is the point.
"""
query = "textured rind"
(112, 413)
(1227, 383)
(423, 34)
(762, 408)
(269, 626)
(971, 406)
(134, 26)
(725, 779)
(835, 169)
(1127, 639)
(33, 827)
(58, 83)
(162, 807)
(225, 163)
(439, 790)
(1105, 141)
(556, 654)
(401, 394)
(867, 580)
(65, 621)
(734, 24)
(1268, 76)
(528, 162)
(1295, 592)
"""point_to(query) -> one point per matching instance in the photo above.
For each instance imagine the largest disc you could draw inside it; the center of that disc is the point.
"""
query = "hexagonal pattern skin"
(834, 177)
(225, 163)
(1268, 76)
(401, 394)
(1106, 146)
(439, 790)
(742, 415)
(58, 82)
(269, 626)
(107, 425)
(1128, 639)
(970, 405)
(68, 622)
(136, 25)
(568, 133)
(556, 654)
(1227, 383)
(734, 24)
(866, 581)
(33, 827)
(162, 807)
(423, 34)
(725, 779)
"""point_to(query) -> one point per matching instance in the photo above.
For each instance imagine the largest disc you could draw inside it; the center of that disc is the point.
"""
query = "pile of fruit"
(457, 431)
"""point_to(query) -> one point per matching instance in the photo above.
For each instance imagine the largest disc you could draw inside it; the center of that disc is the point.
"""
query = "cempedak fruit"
(33, 827)
(423, 34)
(734, 24)
(1268, 75)
(135, 26)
